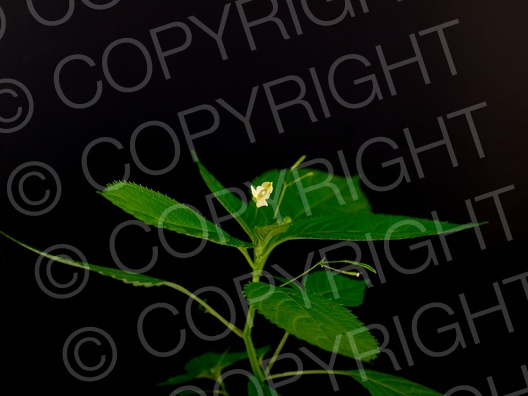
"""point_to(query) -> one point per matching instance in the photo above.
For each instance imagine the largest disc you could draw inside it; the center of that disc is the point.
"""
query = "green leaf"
(304, 192)
(314, 319)
(265, 388)
(317, 205)
(158, 210)
(380, 384)
(126, 277)
(307, 193)
(230, 201)
(329, 207)
(378, 226)
(342, 289)
(363, 227)
(209, 365)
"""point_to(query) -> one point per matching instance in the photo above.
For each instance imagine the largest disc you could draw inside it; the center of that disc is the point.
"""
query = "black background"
(488, 48)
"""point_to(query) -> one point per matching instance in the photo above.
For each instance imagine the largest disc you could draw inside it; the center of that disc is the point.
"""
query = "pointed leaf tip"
(159, 210)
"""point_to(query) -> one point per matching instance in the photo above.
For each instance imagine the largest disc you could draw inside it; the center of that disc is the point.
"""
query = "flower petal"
(268, 185)
(261, 202)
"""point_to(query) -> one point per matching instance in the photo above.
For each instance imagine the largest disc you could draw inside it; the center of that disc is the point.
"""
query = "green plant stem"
(308, 372)
(246, 255)
(277, 352)
(258, 264)
(286, 185)
(349, 262)
(304, 273)
(207, 307)
(250, 348)
(223, 391)
(351, 273)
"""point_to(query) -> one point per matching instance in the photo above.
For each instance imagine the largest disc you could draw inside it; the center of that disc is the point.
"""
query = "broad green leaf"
(306, 193)
(126, 277)
(158, 210)
(340, 288)
(265, 388)
(329, 207)
(363, 227)
(209, 365)
(298, 193)
(316, 319)
(380, 384)
(230, 201)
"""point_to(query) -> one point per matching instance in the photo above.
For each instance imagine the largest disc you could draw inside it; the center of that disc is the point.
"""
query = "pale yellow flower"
(262, 193)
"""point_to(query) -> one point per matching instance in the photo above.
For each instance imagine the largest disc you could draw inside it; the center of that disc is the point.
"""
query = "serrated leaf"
(316, 193)
(380, 384)
(319, 321)
(319, 205)
(330, 207)
(342, 289)
(159, 210)
(126, 277)
(371, 226)
(209, 365)
(361, 227)
(265, 389)
(230, 201)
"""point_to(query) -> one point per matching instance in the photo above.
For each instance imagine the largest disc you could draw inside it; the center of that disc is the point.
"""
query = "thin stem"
(247, 256)
(305, 372)
(304, 273)
(207, 307)
(286, 185)
(223, 391)
(356, 274)
(298, 162)
(175, 286)
(250, 348)
(299, 179)
(370, 268)
(277, 353)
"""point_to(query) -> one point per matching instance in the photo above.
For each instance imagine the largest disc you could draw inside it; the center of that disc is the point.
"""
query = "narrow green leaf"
(340, 288)
(209, 365)
(265, 388)
(230, 201)
(126, 277)
(380, 384)
(158, 210)
(363, 227)
(314, 319)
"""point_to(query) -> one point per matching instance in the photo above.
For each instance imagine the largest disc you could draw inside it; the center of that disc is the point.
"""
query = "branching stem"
(286, 185)
(308, 372)
(207, 307)
(277, 353)
(247, 256)
(250, 348)
(320, 263)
